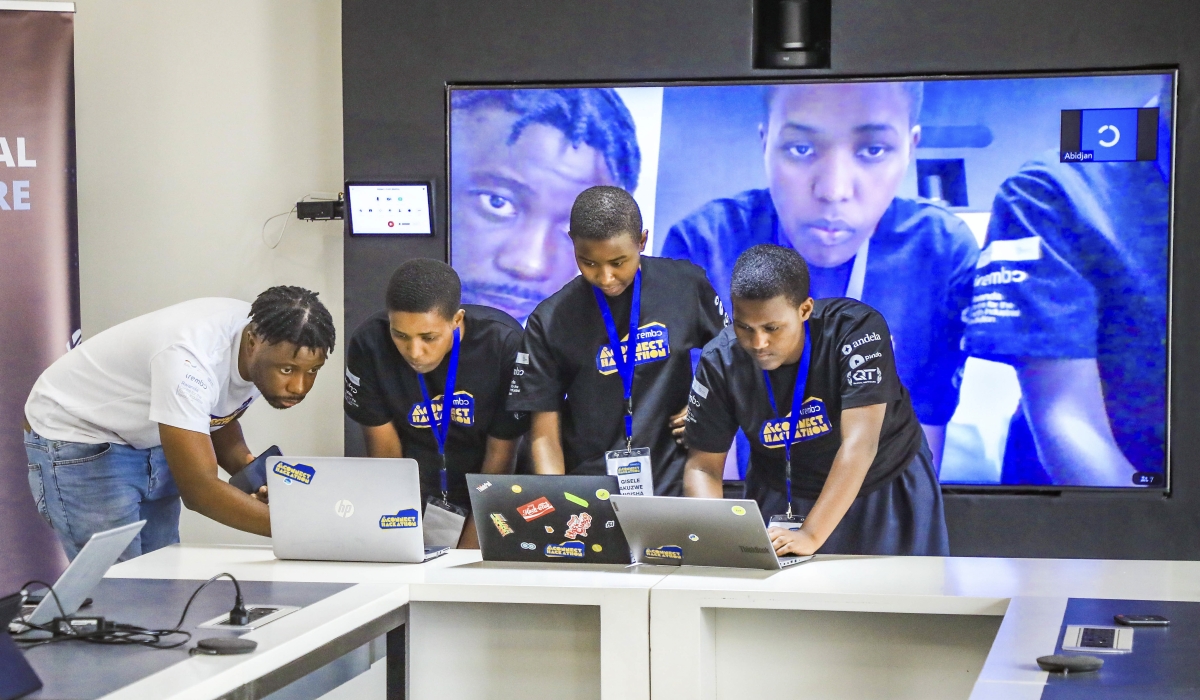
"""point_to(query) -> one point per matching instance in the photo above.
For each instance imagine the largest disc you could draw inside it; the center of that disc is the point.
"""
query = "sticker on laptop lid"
(404, 519)
(669, 551)
(575, 499)
(569, 550)
(597, 548)
(738, 510)
(299, 473)
(516, 488)
(535, 509)
(602, 494)
(501, 524)
(578, 526)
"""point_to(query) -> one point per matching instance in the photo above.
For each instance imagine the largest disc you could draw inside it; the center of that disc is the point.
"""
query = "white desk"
(339, 636)
(886, 627)
(500, 630)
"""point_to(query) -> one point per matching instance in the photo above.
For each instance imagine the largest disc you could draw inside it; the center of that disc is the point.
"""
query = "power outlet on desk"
(260, 614)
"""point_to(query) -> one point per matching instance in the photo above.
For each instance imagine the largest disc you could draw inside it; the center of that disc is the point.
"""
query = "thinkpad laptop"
(85, 571)
(698, 532)
(347, 509)
(542, 518)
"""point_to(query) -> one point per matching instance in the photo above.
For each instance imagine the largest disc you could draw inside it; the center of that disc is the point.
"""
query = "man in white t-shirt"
(127, 423)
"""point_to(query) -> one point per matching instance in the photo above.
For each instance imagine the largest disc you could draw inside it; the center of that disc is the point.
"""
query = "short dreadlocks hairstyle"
(767, 271)
(596, 117)
(603, 212)
(293, 315)
(422, 285)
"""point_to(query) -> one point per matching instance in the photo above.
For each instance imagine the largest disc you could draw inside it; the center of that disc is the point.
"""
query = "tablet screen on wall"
(389, 209)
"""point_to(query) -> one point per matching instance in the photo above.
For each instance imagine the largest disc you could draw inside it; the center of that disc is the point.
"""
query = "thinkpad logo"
(752, 550)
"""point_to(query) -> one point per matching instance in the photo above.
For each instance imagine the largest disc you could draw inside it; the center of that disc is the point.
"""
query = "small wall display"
(389, 208)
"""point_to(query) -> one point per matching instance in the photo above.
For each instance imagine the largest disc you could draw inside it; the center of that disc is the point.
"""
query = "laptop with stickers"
(545, 518)
(698, 532)
(347, 509)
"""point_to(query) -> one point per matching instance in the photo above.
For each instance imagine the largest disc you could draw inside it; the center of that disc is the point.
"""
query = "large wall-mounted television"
(1016, 232)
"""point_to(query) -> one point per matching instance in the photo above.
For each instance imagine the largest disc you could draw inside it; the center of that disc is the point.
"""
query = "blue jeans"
(83, 489)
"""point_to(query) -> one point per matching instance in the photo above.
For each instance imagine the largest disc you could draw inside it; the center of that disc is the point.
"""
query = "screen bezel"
(349, 209)
(827, 77)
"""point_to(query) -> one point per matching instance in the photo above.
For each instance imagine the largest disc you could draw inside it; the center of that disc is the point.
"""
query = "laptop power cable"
(100, 630)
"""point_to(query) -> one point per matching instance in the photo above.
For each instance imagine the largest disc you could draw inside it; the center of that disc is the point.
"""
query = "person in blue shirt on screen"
(835, 155)
(1071, 290)
(518, 160)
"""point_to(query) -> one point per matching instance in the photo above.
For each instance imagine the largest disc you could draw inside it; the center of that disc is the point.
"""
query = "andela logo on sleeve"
(462, 410)
(653, 344)
(814, 422)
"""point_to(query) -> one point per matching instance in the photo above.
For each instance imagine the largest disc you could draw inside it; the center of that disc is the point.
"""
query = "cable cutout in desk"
(98, 630)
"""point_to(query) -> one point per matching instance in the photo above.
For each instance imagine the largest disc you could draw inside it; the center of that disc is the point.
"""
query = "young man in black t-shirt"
(861, 469)
(413, 341)
(567, 374)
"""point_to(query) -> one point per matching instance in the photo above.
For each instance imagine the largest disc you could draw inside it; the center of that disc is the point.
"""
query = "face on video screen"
(1019, 232)
(835, 155)
(514, 179)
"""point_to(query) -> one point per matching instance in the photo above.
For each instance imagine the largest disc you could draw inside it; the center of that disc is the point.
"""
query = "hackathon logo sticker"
(813, 424)
(462, 410)
(404, 519)
(569, 550)
(299, 473)
(653, 344)
(670, 551)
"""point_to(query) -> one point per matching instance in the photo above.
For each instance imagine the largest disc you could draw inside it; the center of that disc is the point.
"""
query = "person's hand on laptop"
(261, 495)
(798, 542)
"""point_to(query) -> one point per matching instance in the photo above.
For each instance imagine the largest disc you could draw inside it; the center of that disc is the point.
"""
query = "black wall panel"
(399, 56)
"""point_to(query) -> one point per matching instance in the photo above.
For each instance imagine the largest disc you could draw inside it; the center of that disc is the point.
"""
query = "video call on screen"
(1016, 232)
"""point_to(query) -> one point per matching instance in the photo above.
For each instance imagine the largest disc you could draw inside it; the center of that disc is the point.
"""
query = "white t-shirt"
(177, 366)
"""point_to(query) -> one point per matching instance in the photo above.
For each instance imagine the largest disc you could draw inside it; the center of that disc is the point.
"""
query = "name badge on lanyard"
(443, 520)
(631, 466)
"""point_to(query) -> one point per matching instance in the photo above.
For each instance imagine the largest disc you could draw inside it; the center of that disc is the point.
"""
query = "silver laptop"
(698, 532)
(347, 509)
(84, 572)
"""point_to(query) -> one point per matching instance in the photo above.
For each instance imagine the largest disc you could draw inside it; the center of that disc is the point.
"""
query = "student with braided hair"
(133, 420)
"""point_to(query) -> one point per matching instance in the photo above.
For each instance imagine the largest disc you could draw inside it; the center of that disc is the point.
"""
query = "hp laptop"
(84, 572)
(542, 518)
(17, 677)
(347, 509)
(698, 532)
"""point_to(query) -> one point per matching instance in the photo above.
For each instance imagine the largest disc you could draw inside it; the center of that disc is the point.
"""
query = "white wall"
(196, 121)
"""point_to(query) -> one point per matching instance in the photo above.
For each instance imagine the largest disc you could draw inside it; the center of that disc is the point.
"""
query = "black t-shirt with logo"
(381, 388)
(566, 365)
(852, 365)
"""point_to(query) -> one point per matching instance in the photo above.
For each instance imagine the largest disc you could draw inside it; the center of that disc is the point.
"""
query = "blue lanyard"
(797, 402)
(442, 427)
(624, 358)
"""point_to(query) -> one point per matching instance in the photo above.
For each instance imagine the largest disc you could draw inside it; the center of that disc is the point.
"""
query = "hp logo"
(343, 508)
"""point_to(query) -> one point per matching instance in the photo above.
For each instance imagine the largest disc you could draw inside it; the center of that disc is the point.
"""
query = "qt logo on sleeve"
(462, 410)
(570, 550)
(813, 424)
(301, 473)
(653, 344)
(404, 519)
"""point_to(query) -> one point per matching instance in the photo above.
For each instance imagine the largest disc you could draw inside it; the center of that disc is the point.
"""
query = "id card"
(787, 523)
(632, 469)
(444, 523)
